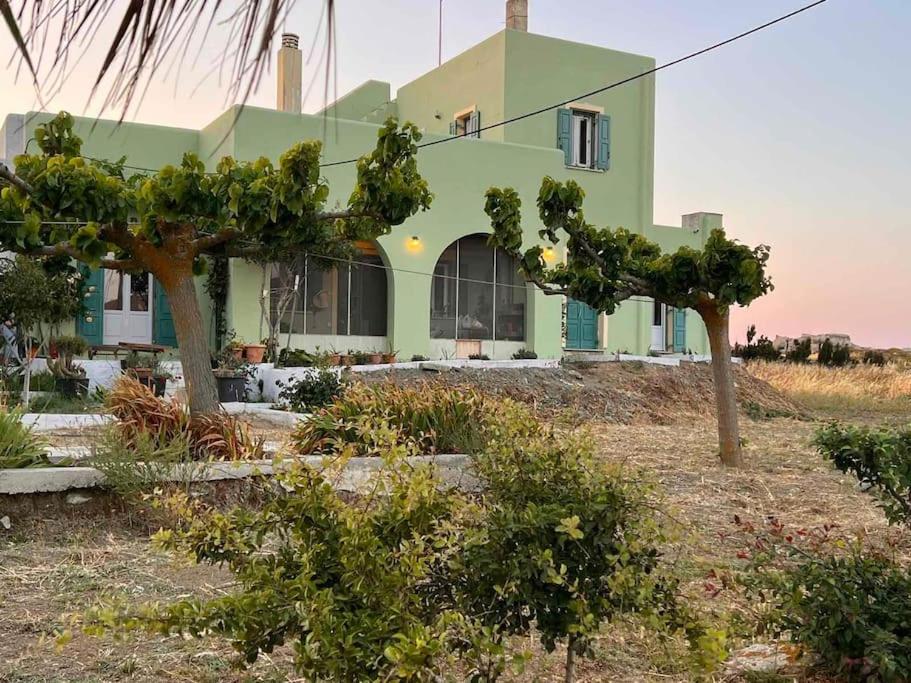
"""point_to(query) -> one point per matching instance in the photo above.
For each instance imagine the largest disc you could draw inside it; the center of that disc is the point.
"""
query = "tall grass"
(857, 385)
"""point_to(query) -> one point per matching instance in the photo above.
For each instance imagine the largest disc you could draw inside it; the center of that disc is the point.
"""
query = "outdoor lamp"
(414, 244)
(549, 254)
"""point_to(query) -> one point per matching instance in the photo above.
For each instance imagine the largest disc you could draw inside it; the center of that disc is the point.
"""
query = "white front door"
(659, 315)
(127, 307)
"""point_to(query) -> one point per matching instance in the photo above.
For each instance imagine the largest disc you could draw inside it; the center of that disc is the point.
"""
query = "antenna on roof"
(440, 37)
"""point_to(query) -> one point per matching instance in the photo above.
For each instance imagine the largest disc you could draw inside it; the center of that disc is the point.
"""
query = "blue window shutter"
(565, 134)
(162, 322)
(679, 330)
(89, 324)
(603, 161)
(452, 127)
(474, 124)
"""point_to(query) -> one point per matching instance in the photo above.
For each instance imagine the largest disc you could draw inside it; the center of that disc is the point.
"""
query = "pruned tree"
(606, 267)
(59, 202)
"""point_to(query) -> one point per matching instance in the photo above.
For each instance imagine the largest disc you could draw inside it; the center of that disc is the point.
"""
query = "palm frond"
(152, 36)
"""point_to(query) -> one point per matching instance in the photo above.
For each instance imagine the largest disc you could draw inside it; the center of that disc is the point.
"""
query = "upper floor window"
(584, 137)
(466, 124)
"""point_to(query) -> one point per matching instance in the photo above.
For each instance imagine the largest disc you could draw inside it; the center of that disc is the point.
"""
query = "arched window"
(477, 293)
(343, 299)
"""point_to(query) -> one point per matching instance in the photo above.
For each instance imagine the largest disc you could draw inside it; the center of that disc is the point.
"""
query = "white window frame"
(580, 116)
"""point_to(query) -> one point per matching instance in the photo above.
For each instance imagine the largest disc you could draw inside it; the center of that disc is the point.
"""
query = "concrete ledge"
(357, 473)
(266, 413)
(48, 422)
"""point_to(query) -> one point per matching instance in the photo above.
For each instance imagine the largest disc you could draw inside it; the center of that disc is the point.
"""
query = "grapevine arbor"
(606, 267)
(61, 203)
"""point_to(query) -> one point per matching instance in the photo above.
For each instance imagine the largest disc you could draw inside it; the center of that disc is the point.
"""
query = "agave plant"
(20, 447)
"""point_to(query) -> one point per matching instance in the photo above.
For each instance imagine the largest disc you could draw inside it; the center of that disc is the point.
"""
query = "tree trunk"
(570, 670)
(202, 392)
(716, 324)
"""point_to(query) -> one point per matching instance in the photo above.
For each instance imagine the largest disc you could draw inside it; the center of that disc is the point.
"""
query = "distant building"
(787, 343)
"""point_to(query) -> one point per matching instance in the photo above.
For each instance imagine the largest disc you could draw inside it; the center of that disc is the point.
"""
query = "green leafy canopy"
(87, 208)
(606, 267)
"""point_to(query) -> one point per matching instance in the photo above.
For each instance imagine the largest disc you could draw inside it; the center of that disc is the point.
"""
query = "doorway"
(659, 321)
(127, 307)
(581, 326)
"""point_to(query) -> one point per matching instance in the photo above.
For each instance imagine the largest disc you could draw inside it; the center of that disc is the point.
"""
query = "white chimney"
(517, 14)
(289, 74)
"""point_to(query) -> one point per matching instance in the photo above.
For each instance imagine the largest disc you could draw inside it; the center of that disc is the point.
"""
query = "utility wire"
(575, 98)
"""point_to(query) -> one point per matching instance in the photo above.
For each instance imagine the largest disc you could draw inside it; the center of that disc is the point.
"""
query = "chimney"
(517, 14)
(289, 75)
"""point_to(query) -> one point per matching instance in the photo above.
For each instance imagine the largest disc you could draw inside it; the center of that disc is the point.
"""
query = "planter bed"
(453, 470)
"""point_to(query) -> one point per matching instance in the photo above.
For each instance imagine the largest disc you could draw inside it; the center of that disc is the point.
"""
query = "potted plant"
(347, 359)
(158, 382)
(230, 375)
(139, 365)
(236, 347)
(389, 356)
(69, 380)
(359, 357)
(254, 353)
(375, 357)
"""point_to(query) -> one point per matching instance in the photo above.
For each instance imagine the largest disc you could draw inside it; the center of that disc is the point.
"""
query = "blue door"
(581, 326)
(90, 323)
(162, 322)
(679, 330)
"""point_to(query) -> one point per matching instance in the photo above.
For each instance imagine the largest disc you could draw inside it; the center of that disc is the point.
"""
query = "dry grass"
(842, 391)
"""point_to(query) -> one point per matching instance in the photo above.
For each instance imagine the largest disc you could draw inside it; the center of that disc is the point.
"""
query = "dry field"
(61, 559)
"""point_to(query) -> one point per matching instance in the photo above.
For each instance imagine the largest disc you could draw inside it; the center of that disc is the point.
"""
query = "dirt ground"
(62, 559)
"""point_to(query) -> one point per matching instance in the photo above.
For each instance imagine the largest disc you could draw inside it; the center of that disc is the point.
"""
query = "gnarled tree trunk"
(716, 324)
(202, 392)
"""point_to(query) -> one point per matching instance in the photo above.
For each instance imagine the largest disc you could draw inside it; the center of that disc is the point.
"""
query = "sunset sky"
(799, 135)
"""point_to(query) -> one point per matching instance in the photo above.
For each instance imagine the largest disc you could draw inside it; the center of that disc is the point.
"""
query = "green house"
(433, 286)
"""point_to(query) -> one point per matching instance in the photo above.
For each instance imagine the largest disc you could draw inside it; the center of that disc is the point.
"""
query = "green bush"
(565, 544)
(311, 391)
(478, 356)
(851, 609)
(833, 355)
(433, 419)
(19, 446)
(524, 354)
(138, 465)
(879, 458)
(398, 582)
(352, 585)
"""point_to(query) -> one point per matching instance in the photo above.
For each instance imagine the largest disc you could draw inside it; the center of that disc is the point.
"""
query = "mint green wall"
(365, 100)
(473, 78)
(458, 174)
(142, 144)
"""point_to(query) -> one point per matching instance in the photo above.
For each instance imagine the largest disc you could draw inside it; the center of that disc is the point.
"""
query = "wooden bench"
(125, 348)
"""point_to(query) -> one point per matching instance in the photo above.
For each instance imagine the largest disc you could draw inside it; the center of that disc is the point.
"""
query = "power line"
(605, 88)
(575, 98)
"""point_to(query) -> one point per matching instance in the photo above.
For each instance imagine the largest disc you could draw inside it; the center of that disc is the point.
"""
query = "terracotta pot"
(375, 359)
(346, 359)
(389, 358)
(255, 352)
(334, 358)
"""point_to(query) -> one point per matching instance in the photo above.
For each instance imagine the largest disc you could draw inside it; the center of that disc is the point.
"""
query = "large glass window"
(477, 293)
(332, 299)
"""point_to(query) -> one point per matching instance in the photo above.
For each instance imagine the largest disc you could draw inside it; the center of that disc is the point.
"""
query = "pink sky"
(800, 135)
